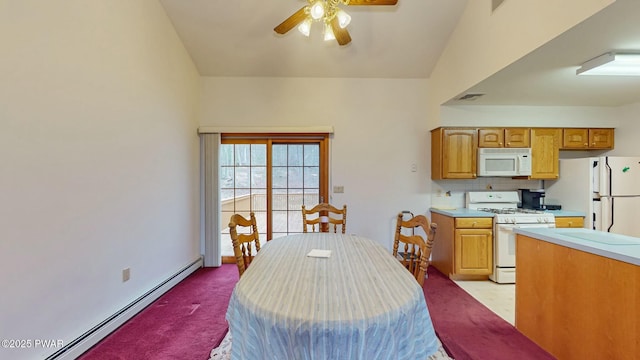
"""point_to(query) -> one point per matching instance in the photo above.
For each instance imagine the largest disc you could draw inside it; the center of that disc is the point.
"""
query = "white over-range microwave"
(504, 162)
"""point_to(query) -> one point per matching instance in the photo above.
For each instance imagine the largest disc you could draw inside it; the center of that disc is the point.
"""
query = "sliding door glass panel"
(243, 187)
(295, 182)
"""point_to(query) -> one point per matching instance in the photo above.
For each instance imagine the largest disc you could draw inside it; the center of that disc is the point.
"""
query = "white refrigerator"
(607, 189)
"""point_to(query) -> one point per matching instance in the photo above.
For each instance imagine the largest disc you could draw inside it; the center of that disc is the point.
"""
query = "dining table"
(328, 296)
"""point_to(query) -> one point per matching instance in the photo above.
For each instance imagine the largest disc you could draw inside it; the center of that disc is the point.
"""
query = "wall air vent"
(470, 97)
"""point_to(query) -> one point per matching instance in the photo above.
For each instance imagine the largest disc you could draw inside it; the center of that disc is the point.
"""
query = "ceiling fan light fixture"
(328, 12)
(328, 32)
(344, 19)
(612, 64)
(305, 27)
(317, 10)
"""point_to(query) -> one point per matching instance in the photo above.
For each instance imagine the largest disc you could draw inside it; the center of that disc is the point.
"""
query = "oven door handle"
(525, 226)
(541, 225)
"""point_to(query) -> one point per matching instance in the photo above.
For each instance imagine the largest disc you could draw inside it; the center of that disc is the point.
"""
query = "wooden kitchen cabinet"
(569, 221)
(587, 139)
(463, 247)
(545, 152)
(453, 153)
(504, 137)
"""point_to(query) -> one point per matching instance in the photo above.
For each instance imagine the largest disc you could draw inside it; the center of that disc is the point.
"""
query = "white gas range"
(507, 216)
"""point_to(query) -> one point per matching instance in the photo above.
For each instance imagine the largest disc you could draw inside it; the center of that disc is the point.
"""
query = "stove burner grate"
(511, 211)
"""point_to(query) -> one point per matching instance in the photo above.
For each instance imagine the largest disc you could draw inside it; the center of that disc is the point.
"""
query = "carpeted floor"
(185, 323)
(189, 321)
(469, 330)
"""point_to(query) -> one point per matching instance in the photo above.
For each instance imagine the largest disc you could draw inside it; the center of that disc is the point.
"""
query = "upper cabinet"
(545, 152)
(453, 153)
(581, 139)
(504, 137)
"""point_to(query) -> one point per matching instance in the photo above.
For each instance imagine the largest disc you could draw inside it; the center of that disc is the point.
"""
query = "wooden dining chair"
(324, 216)
(416, 251)
(242, 242)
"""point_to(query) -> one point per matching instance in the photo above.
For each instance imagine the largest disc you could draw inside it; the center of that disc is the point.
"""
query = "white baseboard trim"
(84, 342)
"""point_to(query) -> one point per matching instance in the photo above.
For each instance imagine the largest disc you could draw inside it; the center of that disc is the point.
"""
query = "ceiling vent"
(470, 97)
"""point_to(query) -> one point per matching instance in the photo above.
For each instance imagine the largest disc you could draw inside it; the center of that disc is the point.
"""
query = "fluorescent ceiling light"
(612, 64)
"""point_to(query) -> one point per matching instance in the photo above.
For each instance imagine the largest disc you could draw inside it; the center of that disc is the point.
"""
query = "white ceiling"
(236, 38)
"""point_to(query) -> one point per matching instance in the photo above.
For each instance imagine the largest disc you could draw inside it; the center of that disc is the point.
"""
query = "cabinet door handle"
(585, 144)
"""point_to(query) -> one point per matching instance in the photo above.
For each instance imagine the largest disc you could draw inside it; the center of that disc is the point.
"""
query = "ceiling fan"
(335, 19)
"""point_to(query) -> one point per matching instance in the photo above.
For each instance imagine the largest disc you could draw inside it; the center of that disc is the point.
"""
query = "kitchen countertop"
(613, 246)
(464, 212)
(460, 212)
(567, 213)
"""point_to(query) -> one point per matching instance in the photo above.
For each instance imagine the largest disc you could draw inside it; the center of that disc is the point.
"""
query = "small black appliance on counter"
(532, 199)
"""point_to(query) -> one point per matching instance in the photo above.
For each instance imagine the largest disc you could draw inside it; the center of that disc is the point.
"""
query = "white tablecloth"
(360, 303)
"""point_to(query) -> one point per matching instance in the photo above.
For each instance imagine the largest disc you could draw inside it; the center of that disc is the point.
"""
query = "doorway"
(272, 176)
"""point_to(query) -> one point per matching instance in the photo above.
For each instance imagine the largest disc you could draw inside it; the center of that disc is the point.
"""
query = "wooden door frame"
(282, 138)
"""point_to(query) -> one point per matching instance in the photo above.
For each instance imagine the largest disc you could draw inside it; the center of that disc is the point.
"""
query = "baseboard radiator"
(85, 341)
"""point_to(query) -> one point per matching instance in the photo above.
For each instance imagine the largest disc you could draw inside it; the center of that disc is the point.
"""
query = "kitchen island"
(578, 292)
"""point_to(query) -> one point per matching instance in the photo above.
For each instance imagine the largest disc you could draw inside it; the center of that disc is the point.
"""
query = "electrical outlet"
(338, 189)
(126, 274)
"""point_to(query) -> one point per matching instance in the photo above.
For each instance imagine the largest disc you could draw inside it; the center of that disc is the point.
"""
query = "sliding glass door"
(273, 176)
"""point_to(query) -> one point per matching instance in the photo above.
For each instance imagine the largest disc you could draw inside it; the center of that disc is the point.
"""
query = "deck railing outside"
(287, 214)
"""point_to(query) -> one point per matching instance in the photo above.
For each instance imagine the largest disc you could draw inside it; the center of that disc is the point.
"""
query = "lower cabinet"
(569, 221)
(463, 247)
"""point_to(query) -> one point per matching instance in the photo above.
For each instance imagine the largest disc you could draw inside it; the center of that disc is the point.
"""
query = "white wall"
(529, 116)
(627, 141)
(380, 131)
(99, 159)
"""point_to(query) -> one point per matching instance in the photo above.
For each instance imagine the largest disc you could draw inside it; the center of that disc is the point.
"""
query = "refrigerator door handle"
(610, 213)
(604, 177)
(606, 215)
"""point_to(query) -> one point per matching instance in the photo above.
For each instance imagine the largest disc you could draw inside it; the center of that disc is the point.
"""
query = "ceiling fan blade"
(291, 21)
(342, 35)
(373, 2)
